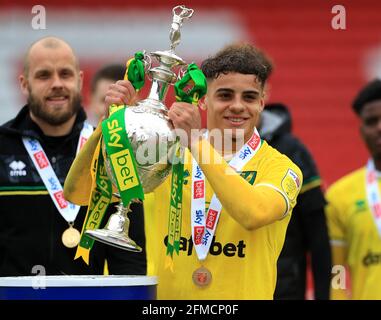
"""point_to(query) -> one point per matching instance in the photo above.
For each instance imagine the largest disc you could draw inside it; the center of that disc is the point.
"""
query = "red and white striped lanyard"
(67, 210)
(373, 194)
(204, 225)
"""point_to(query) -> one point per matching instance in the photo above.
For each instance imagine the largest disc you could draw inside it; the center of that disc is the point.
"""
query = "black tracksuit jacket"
(307, 233)
(30, 225)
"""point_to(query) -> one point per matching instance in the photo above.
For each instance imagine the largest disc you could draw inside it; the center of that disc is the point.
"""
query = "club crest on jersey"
(291, 184)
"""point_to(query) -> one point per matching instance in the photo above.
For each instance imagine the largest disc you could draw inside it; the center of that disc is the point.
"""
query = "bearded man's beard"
(50, 116)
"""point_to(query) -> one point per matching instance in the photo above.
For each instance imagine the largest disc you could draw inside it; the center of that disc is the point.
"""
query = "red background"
(318, 70)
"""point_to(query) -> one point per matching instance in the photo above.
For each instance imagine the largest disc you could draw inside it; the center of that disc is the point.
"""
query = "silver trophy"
(148, 129)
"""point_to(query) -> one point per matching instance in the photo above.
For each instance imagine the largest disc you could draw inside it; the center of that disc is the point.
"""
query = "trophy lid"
(168, 57)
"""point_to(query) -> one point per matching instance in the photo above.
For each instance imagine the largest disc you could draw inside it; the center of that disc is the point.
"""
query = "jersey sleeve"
(257, 205)
(335, 219)
(284, 176)
(293, 148)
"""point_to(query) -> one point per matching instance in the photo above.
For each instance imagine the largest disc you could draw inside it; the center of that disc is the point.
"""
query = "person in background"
(354, 210)
(39, 228)
(100, 83)
(307, 232)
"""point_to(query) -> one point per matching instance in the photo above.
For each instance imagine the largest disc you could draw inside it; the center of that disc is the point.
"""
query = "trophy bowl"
(152, 139)
(151, 135)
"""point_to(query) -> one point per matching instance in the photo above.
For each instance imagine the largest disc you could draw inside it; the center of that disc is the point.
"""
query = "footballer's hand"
(186, 117)
(121, 92)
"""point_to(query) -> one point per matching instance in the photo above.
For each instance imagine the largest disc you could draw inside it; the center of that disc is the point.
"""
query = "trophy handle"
(147, 62)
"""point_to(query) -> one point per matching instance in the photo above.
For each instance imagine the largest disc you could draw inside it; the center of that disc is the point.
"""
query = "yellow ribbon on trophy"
(87, 182)
(101, 195)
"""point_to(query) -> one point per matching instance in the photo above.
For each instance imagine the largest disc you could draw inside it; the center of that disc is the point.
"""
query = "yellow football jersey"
(354, 235)
(242, 262)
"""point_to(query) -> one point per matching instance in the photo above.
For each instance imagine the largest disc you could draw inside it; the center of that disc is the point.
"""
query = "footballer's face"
(234, 101)
(52, 84)
(371, 127)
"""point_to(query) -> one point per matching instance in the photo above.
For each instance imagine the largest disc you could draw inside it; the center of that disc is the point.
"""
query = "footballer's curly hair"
(240, 58)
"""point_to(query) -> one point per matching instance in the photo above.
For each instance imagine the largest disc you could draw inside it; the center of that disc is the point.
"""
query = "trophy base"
(116, 239)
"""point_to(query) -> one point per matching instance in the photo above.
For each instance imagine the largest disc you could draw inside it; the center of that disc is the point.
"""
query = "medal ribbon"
(195, 77)
(67, 210)
(373, 194)
(204, 225)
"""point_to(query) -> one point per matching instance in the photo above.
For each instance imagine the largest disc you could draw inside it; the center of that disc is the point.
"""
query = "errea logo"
(17, 169)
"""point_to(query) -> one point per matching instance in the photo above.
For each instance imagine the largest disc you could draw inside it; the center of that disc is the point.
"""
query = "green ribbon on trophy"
(193, 76)
(118, 147)
(121, 155)
(135, 71)
(122, 160)
(196, 83)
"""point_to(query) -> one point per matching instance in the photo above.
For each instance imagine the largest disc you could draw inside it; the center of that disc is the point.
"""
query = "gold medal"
(202, 277)
(71, 237)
